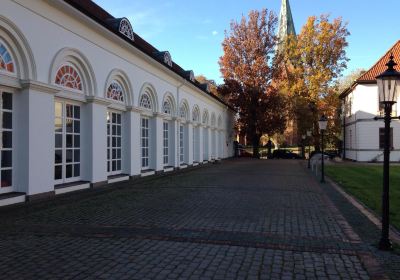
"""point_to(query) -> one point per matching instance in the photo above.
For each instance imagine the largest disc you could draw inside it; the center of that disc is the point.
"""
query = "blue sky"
(192, 31)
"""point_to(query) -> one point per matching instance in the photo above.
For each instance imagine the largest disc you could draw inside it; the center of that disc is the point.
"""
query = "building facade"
(86, 101)
(363, 136)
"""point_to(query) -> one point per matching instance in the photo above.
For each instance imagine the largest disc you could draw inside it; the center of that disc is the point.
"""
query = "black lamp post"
(388, 87)
(303, 140)
(323, 122)
(309, 133)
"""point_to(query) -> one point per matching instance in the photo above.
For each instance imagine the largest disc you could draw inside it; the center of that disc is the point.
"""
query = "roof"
(369, 77)
(102, 17)
(286, 24)
(380, 66)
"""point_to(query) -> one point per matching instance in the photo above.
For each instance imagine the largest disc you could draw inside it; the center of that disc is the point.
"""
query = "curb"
(393, 233)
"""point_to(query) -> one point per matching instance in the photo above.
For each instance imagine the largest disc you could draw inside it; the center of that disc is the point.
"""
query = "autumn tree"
(249, 67)
(211, 83)
(346, 81)
(314, 60)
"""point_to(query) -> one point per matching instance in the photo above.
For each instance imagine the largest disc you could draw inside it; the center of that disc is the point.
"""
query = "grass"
(365, 183)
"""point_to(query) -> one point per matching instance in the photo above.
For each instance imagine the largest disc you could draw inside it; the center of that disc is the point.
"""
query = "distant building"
(362, 135)
(286, 28)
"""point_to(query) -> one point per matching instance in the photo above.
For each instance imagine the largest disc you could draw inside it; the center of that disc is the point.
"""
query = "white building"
(362, 134)
(85, 101)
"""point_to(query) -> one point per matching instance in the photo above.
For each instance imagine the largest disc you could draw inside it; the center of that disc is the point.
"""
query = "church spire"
(286, 24)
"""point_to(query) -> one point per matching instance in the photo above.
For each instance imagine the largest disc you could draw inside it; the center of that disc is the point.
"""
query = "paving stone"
(243, 219)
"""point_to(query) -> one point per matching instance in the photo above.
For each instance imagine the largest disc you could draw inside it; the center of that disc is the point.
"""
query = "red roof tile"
(380, 66)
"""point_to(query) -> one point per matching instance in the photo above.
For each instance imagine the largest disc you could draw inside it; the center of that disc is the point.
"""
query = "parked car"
(285, 154)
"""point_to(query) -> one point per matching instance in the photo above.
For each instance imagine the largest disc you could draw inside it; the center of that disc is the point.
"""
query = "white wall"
(96, 53)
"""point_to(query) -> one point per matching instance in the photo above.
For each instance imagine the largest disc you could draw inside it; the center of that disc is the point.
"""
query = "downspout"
(177, 148)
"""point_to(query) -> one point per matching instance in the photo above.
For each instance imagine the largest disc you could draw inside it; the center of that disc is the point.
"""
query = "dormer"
(123, 26)
(189, 75)
(164, 57)
(205, 87)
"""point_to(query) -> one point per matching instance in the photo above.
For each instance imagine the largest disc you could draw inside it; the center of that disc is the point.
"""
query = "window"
(168, 59)
(205, 118)
(196, 115)
(165, 143)
(205, 144)
(114, 143)
(125, 28)
(183, 112)
(67, 165)
(382, 138)
(68, 77)
(181, 144)
(196, 143)
(145, 101)
(213, 143)
(6, 130)
(115, 92)
(145, 142)
(6, 61)
(213, 120)
(167, 107)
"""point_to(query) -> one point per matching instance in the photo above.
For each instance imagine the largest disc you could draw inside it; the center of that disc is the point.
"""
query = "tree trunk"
(256, 146)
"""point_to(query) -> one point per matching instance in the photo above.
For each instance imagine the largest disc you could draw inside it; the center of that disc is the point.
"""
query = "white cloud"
(215, 33)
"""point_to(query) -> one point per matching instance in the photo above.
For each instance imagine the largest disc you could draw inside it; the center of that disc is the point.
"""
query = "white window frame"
(11, 187)
(205, 144)
(145, 142)
(64, 147)
(166, 143)
(181, 143)
(114, 145)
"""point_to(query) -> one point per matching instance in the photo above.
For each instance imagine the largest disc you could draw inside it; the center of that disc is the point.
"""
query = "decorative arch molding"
(169, 98)
(122, 79)
(196, 116)
(184, 110)
(75, 58)
(219, 123)
(18, 46)
(213, 119)
(205, 117)
(149, 89)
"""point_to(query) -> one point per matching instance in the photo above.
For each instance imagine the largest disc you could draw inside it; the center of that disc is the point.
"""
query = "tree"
(249, 67)
(348, 80)
(315, 58)
(211, 83)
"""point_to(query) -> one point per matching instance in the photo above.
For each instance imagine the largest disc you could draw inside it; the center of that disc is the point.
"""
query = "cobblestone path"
(241, 219)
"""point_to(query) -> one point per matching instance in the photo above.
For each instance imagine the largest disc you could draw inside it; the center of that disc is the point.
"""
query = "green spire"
(286, 24)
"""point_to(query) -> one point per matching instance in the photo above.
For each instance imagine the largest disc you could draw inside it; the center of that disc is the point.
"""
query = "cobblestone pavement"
(241, 219)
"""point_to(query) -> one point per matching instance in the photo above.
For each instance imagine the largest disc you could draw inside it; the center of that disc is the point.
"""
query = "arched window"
(183, 112)
(126, 28)
(6, 61)
(205, 117)
(167, 108)
(145, 101)
(196, 115)
(213, 119)
(68, 77)
(115, 92)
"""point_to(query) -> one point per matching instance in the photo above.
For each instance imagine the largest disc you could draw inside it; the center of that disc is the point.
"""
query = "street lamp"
(309, 133)
(303, 138)
(323, 122)
(388, 87)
